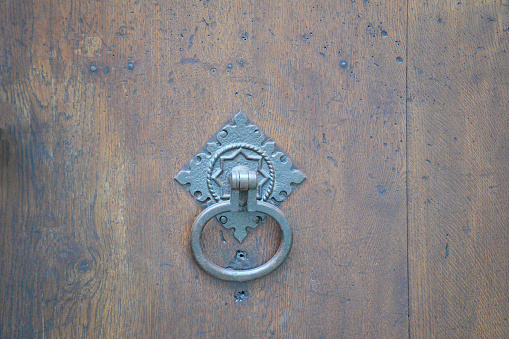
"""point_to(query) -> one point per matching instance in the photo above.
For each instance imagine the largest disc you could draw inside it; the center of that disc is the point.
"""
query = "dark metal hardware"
(241, 159)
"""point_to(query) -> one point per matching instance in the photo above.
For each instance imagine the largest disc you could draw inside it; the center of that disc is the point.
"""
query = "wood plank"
(65, 270)
(107, 100)
(458, 169)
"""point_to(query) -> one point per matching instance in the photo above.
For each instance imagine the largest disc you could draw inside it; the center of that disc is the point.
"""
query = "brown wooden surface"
(103, 102)
(96, 232)
(458, 139)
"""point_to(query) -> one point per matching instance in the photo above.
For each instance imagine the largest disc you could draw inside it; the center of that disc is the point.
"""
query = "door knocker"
(241, 177)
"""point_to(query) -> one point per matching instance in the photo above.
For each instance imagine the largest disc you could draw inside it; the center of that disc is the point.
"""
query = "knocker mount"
(241, 160)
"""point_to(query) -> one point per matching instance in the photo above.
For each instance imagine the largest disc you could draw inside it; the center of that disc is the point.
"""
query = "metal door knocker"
(241, 177)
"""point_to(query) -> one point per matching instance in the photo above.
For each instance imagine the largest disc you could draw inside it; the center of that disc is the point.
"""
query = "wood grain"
(64, 271)
(104, 101)
(458, 169)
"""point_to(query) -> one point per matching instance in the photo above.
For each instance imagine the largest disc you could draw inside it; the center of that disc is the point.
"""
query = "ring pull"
(240, 175)
(241, 180)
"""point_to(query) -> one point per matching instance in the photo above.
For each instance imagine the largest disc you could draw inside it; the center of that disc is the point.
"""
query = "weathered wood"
(104, 101)
(458, 169)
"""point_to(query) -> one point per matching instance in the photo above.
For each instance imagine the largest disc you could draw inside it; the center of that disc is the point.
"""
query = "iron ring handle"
(240, 275)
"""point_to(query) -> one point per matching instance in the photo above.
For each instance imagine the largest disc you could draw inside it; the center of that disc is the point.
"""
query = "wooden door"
(395, 110)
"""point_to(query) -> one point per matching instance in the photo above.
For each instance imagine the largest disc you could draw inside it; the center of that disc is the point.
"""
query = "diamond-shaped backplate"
(240, 143)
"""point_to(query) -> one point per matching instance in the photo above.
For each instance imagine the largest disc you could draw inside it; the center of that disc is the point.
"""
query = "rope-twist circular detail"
(249, 147)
